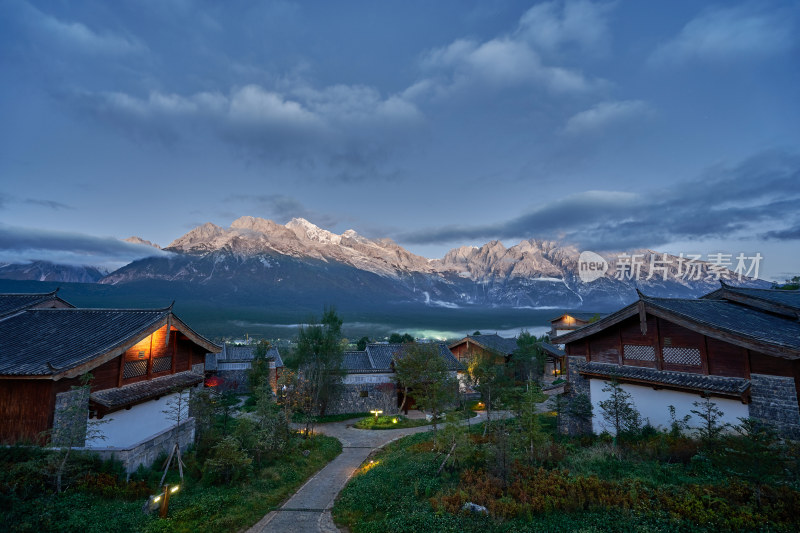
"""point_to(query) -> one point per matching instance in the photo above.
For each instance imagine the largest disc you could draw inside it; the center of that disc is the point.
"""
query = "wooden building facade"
(134, 356)
(736, 345)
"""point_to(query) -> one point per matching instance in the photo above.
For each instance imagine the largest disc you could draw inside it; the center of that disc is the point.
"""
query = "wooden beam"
(121, 369)
(642, 317)
(657, 346)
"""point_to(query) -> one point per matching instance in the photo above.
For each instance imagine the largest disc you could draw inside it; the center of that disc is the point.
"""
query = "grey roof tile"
(553, 350)
(382, 355)
(145, 390)
(683, 380)
(47, 341)
(735, 318)
(14, 303)
(355, 362)
(240, 354)
(495, 342)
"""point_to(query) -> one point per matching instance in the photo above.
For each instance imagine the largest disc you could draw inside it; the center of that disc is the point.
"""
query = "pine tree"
(618, 410)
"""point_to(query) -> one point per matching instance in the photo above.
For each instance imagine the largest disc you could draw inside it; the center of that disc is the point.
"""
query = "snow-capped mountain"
(261, 256)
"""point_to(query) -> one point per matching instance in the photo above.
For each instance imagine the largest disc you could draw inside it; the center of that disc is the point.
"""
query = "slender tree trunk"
(488, 412)
(405, 397)
(61, 467)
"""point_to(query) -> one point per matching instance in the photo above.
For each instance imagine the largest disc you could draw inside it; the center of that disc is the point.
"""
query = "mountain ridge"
(257, 254)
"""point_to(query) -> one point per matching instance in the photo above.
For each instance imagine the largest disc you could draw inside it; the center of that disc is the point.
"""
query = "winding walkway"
(309, 510)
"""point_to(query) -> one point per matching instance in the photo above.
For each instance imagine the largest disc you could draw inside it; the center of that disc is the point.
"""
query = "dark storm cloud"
(27, 244)
(789, 234)
(718, 204)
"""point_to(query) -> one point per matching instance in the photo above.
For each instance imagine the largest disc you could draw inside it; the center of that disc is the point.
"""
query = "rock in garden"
(474, 508)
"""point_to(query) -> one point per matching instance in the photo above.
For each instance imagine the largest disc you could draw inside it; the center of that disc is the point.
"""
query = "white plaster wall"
(356, 379)
(653, 405)
(127, 427)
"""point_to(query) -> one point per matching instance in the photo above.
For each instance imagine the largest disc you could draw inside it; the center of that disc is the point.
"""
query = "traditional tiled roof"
(735, 322)
(493, 342)
(788, 298)
(382, 355)
(47, 342)
(785, 302)
(682, 380)
(736, 319)
(239, 354)
(377, 358)
(355, 362)
(552, 350)
(145, 390)
(14, 303)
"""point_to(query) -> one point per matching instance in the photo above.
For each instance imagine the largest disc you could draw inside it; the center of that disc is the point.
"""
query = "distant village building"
(571, 321)
(738, 346)
(233, 363)
(501, 349)
(368, 382)
(138, 358)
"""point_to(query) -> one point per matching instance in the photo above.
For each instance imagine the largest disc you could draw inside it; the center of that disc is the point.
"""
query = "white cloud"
(77, 35)
(552, 25)
(516, 59)
(330, 128)
(723, 34)
(604, 114)
(254, 105)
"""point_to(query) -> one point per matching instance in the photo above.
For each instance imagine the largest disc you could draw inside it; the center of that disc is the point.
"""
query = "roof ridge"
(115, 309)
(51, 293)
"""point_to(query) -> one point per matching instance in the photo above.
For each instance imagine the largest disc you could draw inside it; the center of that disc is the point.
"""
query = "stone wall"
(70, 418)
(146, 451)
(235, 380)
(351, 399)
(576, 385)
(774, 401)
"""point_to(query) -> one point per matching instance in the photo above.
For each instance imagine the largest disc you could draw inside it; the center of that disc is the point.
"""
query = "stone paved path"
(309, 510)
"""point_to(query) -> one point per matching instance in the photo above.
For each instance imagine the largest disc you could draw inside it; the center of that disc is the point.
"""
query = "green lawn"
(400, 421)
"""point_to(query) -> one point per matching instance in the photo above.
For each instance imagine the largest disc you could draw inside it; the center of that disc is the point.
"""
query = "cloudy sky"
(670, 125)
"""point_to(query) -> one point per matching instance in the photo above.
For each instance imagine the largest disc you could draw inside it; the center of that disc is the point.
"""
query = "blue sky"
(611, 125)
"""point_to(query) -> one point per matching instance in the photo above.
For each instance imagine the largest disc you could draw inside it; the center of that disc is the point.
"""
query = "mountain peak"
(261, 225)
(303, 228)
(133, 239)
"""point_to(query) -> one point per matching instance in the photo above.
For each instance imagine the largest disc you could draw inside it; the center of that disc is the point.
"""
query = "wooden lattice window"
(162, 364)
(135, 368)
(682, 356)
(639, 353)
